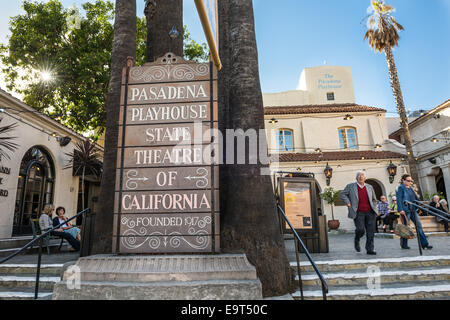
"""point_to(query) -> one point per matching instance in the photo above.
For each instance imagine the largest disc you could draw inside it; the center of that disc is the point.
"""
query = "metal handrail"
(418, 205)
(439, 214)
(45, 234)
(308, 255)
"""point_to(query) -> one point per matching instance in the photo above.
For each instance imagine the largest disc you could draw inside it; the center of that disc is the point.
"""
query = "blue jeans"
(418, 224)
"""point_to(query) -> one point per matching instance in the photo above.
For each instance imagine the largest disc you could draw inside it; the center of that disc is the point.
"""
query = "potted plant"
(331, 197)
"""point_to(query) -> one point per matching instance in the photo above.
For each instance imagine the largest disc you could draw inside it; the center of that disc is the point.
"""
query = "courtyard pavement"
(341, 247)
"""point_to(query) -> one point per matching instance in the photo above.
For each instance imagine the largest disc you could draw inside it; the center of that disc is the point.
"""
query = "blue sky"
(294, 34)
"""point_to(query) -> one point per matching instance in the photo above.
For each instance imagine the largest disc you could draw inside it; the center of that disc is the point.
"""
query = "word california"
(177, 201)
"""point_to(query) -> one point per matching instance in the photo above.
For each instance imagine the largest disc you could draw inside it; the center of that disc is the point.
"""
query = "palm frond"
(382, 27)
(84, 158)
(5, 141)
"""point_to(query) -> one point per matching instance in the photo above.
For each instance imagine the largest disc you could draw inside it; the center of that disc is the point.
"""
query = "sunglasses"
(409, 180)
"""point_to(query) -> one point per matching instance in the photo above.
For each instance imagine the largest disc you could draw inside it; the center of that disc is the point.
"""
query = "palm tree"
(5, 140)
(84, 160)
(124, 46)
(249, 218)
(161, 17)
(383, 35)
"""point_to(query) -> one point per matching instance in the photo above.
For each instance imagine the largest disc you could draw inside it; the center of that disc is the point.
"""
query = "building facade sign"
(4, 171)
(167, 198)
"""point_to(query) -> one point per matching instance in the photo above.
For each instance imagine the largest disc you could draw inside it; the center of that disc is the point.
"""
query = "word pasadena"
(162, 93)
(177, 201)
(171, 113)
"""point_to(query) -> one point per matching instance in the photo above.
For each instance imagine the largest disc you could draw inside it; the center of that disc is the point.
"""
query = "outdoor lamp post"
(328, 174)
(173, 34)
(392, 170)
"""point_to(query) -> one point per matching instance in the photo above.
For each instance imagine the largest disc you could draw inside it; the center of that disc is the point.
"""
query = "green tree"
(331, 197)
(75, 53)
(193, 50)
(383, 35)
(74, 50)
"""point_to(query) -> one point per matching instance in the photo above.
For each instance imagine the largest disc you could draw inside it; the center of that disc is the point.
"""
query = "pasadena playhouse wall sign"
(167, 193)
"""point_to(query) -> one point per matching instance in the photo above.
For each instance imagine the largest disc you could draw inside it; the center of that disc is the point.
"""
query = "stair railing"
(297, 241)
(417, 205)
(39, 240)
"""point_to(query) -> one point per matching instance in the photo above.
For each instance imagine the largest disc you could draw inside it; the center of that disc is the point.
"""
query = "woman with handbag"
(406, 192)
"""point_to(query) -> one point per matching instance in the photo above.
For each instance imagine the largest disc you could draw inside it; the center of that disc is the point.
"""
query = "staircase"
(426, 277)
(17, 281)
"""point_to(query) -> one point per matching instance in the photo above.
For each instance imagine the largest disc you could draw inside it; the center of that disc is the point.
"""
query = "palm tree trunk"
(124, 46)
(168, 13)
(249, 218)
(396, 89)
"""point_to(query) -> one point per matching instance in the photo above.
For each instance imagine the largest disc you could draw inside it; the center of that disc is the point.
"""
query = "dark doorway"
(376, 187)
(440, 183)
(34, 190)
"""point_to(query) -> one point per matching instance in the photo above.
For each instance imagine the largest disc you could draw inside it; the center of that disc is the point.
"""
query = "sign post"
(167, 189)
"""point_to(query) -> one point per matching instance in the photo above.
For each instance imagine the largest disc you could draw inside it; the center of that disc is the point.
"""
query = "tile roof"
(339, 155)
(323, 108)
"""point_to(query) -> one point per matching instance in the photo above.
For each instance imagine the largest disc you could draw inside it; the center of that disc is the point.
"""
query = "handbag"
(404, 231)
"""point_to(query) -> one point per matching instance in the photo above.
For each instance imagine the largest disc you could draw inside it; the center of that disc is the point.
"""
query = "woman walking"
(404, 193)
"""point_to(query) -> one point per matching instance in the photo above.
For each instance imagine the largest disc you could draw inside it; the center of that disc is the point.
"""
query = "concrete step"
(399, 291)
(169, 290)
(358, 278)
(23, 294)
(54, 245)
(28, 281)
(428, 234)
(20, 269)
(17, 242)
(382, 263)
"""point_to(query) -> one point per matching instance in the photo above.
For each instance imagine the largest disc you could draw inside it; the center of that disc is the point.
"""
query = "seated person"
(67, 227)
(439, 204)
(46, 224)
(384, 213)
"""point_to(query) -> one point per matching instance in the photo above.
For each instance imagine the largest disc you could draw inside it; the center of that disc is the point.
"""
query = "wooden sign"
(167, 197)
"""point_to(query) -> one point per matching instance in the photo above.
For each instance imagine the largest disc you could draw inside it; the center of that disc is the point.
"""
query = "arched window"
(35, 188)
(285, 140)
(347, 138)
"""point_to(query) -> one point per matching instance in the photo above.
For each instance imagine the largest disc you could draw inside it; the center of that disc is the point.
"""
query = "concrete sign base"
(180, 277)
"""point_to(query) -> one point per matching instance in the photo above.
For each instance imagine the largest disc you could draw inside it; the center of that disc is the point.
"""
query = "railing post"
(299, 272)
(38, 271)
(417, 231)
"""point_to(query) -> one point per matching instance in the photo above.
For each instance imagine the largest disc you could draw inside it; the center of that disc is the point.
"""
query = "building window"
(285, 140)
(330, 96)
(347, 138)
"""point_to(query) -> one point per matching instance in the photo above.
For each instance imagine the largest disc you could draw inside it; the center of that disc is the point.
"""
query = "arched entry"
(377, 187)
(34, 189)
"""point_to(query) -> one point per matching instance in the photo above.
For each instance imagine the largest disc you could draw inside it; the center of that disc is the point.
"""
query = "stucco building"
(430, 136)
(35, 174)
(321, 124)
